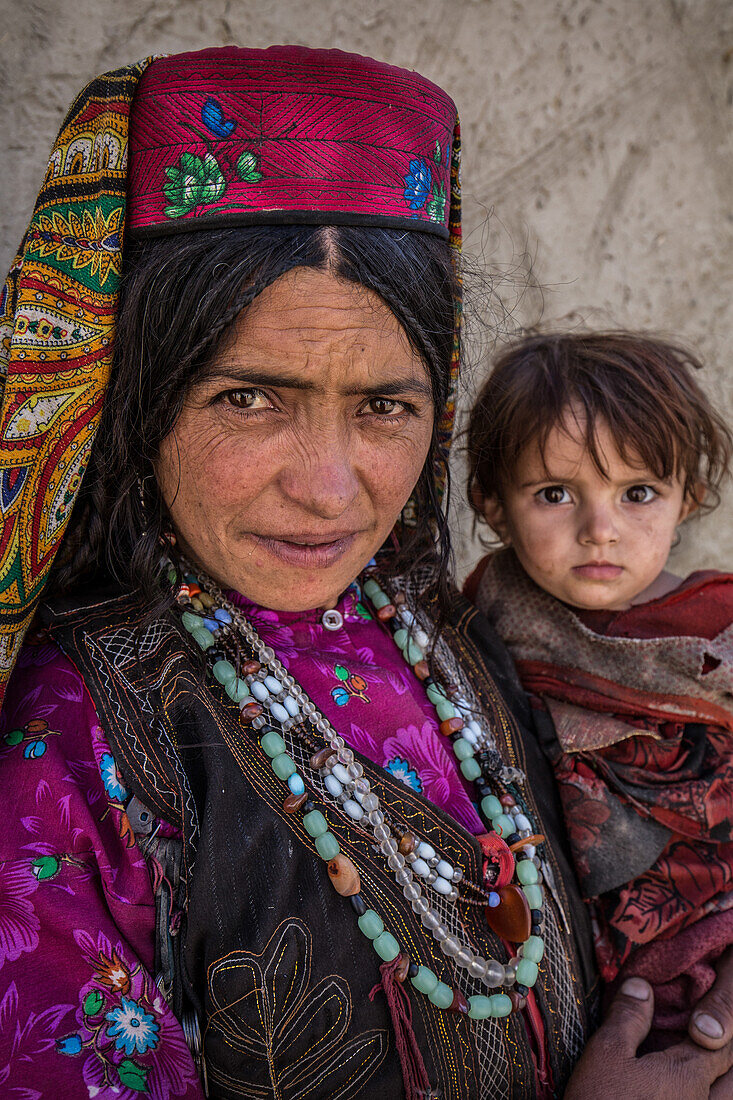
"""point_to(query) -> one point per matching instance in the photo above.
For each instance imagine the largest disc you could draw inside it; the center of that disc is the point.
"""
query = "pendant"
(511, 918)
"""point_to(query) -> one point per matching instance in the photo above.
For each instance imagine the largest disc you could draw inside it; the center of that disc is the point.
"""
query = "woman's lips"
(598, 571)
(308, 553)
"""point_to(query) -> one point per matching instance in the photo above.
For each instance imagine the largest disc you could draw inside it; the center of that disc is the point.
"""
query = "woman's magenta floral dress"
(80, 1012)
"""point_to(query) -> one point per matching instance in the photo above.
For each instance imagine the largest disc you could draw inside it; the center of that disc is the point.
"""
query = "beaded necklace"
(265, 694)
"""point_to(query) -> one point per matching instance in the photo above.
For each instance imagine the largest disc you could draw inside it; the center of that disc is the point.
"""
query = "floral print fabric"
(80, 1013)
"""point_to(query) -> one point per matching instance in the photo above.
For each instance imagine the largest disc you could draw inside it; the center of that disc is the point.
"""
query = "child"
(586, 452)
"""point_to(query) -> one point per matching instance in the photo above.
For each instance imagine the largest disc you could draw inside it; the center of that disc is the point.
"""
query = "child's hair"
(640, 386)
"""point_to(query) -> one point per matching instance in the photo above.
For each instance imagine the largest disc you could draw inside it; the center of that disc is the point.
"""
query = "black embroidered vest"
(254, 941)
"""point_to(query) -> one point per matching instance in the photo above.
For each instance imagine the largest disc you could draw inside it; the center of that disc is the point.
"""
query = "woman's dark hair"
(180, 295)
(640, 386)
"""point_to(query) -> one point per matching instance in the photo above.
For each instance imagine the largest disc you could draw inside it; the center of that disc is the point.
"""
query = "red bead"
(193, 590)
(421, 670)
(403, 968)
(499, 864)
(250, 711)
(460, 1004)
(451, 725)
(507, 800)
(387, 612)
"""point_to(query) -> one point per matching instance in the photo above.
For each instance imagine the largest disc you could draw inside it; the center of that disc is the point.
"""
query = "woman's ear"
(492, 510)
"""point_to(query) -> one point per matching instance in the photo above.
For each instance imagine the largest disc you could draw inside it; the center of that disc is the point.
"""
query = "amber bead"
(399, 598)
(407, 844)
(507, 800)
(344, 876)
(518, 1002)
(403, 968)
(511, 918)
(249, 668)
(387, 612)
(319, 759)
(451, 725)
(294, 802)
(36, 725)
(421, 670)
(460, 1004)
(250, 711)
(207, 600)
(535, 839)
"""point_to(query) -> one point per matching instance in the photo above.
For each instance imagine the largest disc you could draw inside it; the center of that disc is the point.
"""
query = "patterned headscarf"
(224, 136)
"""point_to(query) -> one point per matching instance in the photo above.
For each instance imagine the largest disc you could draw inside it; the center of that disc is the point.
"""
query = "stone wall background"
(598, 137)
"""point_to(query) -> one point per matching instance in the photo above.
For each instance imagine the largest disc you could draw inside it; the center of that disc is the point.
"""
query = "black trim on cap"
(286, 217)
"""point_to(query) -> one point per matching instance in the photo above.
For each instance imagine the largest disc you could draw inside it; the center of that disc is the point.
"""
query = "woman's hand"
(610, 1069)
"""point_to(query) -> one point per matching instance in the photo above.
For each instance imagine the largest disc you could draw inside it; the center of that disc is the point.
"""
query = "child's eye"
(639, 494)
(249, 399)
(554, 494)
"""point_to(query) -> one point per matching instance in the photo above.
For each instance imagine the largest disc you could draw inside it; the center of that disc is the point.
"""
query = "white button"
(332, 619)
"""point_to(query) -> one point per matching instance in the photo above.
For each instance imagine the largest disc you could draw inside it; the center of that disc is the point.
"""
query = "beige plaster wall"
(598, 139)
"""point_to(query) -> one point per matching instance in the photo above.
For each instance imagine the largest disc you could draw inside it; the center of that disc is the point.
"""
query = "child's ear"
(691, 503)
(492, 510)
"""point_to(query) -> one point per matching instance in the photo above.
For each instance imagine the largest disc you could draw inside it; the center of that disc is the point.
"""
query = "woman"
(208, 886)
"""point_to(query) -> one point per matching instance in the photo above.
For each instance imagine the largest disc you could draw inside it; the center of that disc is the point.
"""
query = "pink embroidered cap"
(233, 136)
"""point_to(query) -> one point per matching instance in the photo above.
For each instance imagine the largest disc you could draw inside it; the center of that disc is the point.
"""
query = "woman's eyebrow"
(393, 388)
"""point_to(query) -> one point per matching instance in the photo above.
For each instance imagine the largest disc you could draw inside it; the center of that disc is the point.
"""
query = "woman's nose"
(598, 526)
(322, 477)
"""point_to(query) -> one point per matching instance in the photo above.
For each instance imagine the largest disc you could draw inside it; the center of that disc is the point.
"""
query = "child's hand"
(610, 1069)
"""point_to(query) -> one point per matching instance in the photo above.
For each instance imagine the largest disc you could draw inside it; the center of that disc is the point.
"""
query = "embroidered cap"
(287, 134)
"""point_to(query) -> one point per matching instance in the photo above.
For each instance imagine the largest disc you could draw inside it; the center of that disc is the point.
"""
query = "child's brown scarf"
(644, 751)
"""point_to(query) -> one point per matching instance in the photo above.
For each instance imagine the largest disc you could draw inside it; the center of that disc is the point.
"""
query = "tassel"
(414, 1073)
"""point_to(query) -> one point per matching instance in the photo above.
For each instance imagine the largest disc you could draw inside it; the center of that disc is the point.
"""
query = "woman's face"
(293, 458)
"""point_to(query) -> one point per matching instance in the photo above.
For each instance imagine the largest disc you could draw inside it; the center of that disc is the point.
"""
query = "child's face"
(593, 542)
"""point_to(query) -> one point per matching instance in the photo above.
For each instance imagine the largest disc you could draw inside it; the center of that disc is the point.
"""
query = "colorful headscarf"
(224, 136)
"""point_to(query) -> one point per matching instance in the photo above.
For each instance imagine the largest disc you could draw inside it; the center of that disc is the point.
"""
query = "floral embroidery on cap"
(422, 191)
(201, 181)
(212, 116)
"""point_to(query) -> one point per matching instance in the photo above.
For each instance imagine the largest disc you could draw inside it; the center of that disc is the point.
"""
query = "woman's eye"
(554, 494)
(385, 406)
(248, 399)
(639, 494)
